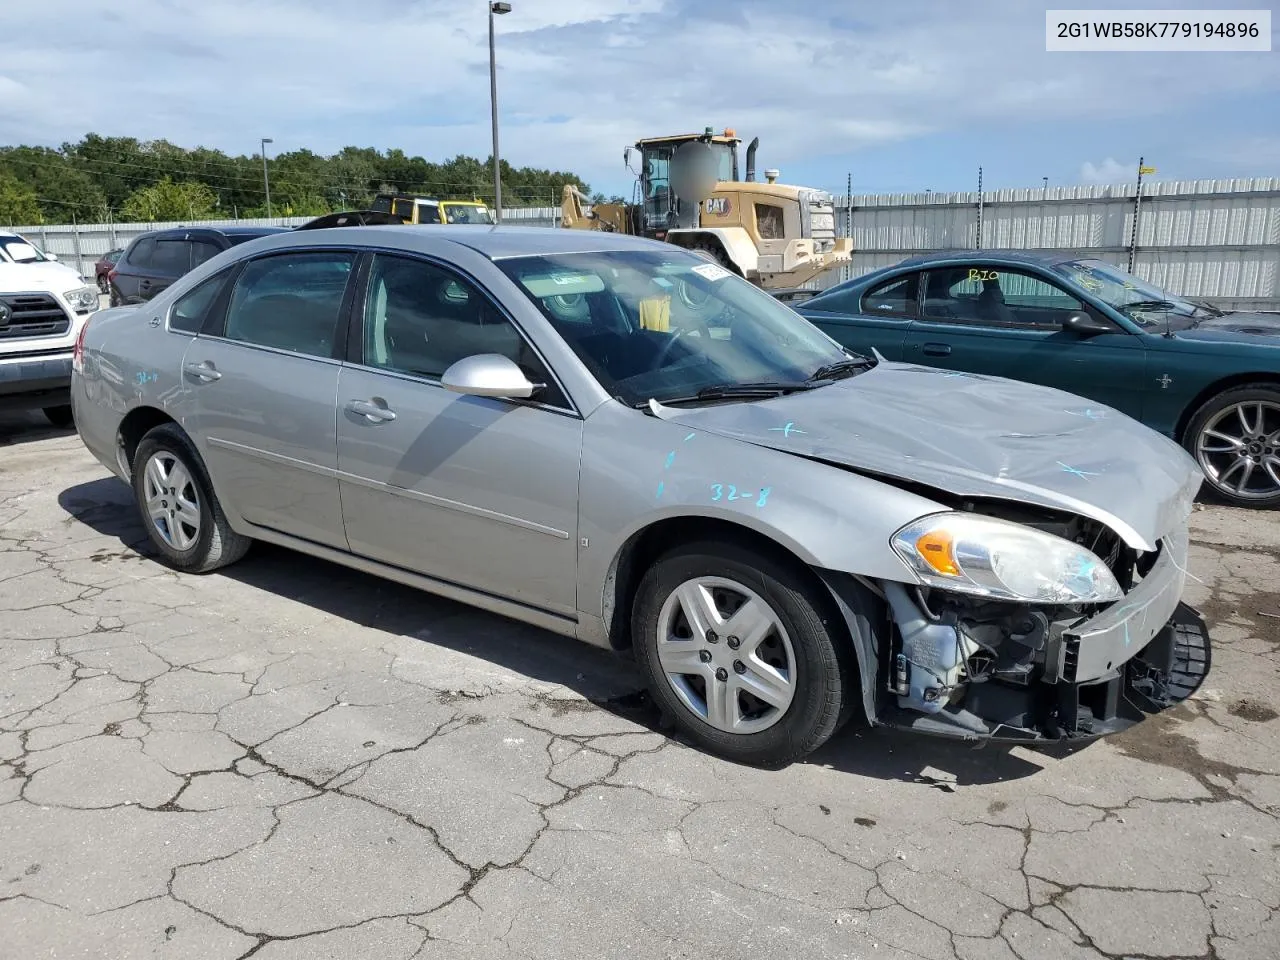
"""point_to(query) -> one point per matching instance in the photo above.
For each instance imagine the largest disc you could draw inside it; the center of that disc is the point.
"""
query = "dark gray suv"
(154, 260)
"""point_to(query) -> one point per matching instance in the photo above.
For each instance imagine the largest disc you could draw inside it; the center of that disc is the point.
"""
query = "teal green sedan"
(1206, 378)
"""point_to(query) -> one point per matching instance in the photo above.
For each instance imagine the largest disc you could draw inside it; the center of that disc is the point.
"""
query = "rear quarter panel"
(128, 363)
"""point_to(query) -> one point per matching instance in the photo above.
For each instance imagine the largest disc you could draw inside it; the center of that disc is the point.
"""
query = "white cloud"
(577, 81)
(1109, 171)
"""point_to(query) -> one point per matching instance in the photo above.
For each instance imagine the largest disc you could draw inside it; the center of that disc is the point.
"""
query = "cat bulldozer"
(688, 193)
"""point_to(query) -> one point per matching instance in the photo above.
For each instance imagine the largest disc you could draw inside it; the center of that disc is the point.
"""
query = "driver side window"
(420, 319)
(997, 296)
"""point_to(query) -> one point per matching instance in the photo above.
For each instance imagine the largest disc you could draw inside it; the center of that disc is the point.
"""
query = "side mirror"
(1079, 322)
(488, 375)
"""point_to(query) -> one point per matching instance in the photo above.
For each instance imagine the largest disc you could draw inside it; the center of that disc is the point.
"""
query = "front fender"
(638, 470)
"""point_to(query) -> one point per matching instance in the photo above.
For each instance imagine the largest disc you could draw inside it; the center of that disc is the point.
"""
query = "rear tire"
(1235, 437)
(792, 651)
(184, 520)
(61, 417)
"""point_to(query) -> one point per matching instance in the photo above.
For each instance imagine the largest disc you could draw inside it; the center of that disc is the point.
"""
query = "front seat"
(991, 305)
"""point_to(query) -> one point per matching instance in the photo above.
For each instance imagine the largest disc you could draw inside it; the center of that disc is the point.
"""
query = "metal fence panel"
(1212, 239)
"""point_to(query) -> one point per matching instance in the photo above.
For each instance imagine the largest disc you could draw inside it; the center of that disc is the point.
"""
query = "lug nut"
(711, 637)
(739, 667)
(722, 673)
(704, 656)
(734, 643)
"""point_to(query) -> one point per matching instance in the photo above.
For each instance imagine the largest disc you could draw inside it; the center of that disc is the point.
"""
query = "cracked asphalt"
(286, 759)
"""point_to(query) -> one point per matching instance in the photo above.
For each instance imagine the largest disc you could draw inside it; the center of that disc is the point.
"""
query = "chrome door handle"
(202, 371)
(371, 411)
(937, 349)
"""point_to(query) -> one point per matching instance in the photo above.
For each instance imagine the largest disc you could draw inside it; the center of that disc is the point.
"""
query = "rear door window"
(291, 301)
(143, 253)
(172, 257)
(190, 309)
(202, 250)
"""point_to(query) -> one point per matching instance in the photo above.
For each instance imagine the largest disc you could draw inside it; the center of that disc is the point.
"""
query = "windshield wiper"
(1208, 308)
(844, 367)
(1153, 304)
(740, 391)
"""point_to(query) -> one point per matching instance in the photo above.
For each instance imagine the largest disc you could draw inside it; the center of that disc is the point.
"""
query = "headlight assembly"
(83, 298)
(988, 557)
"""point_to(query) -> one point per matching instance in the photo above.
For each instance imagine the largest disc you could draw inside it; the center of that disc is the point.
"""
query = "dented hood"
(977, 436)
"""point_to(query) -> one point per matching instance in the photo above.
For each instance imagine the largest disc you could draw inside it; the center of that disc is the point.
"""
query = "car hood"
(976, 436)
(28, 277)
(1236, 327)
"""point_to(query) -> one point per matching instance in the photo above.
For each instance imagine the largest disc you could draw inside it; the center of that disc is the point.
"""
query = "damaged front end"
(974, 667)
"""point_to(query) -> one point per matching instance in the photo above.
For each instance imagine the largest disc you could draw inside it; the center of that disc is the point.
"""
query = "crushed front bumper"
(1164, 673)
(1140, 655)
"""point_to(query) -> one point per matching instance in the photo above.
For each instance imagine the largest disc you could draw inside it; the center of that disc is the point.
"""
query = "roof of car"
(1042, 257)
(497, 242)
(246, 231)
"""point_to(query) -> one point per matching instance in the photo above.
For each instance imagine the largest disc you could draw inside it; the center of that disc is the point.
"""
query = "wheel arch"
(1269, 379)
(739, 253)
(137, 423)
(854, 608)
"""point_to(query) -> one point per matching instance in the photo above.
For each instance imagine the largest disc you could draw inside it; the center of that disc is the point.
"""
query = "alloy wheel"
(173, 500)
(1239, 449)
(726, 654)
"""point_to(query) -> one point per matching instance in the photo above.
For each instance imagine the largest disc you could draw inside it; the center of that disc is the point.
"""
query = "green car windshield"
(1142, 302)
(667, 325)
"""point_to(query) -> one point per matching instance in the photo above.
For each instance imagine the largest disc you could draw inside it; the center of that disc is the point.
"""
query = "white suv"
(43, 307)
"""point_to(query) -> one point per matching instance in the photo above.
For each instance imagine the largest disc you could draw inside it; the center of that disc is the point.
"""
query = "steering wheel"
(660, 359)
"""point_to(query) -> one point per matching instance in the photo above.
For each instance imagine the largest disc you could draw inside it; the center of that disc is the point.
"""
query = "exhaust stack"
(751, 160)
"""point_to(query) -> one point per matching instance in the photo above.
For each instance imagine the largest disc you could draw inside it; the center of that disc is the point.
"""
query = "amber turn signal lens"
(937, 550)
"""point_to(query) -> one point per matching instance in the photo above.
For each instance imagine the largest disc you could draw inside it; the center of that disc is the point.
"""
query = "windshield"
(726, 161)
(666, 325)
(465, 213)
(1142, 302)
(17, 250)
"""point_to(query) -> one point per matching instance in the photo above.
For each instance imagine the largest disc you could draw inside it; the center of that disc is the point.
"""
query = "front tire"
(1235, 437)
(744, 653)
(184, 520)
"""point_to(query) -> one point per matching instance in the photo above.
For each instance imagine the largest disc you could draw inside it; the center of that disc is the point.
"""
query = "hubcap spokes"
(726, 655)
(173, 503)
(1239, 449)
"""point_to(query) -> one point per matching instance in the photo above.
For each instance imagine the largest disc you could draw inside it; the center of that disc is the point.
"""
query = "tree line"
(100, 179)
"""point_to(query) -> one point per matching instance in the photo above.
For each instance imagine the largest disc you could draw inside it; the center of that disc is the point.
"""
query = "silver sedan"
(620, 441)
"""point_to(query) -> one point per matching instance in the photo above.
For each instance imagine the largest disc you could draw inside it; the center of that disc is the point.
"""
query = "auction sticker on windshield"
(709, 271)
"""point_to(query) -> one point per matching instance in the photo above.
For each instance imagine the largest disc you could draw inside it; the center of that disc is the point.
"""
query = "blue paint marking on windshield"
(688, 438)
(671, 458)
(661, 486)
(1089, 413)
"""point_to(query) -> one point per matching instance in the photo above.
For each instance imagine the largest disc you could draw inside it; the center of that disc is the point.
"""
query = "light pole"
(266, 183)
(495, 9)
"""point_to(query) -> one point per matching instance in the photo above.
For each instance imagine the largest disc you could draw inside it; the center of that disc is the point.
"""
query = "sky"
(905, 95)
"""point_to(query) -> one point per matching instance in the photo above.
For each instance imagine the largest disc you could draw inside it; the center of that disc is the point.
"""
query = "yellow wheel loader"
(689, 194)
